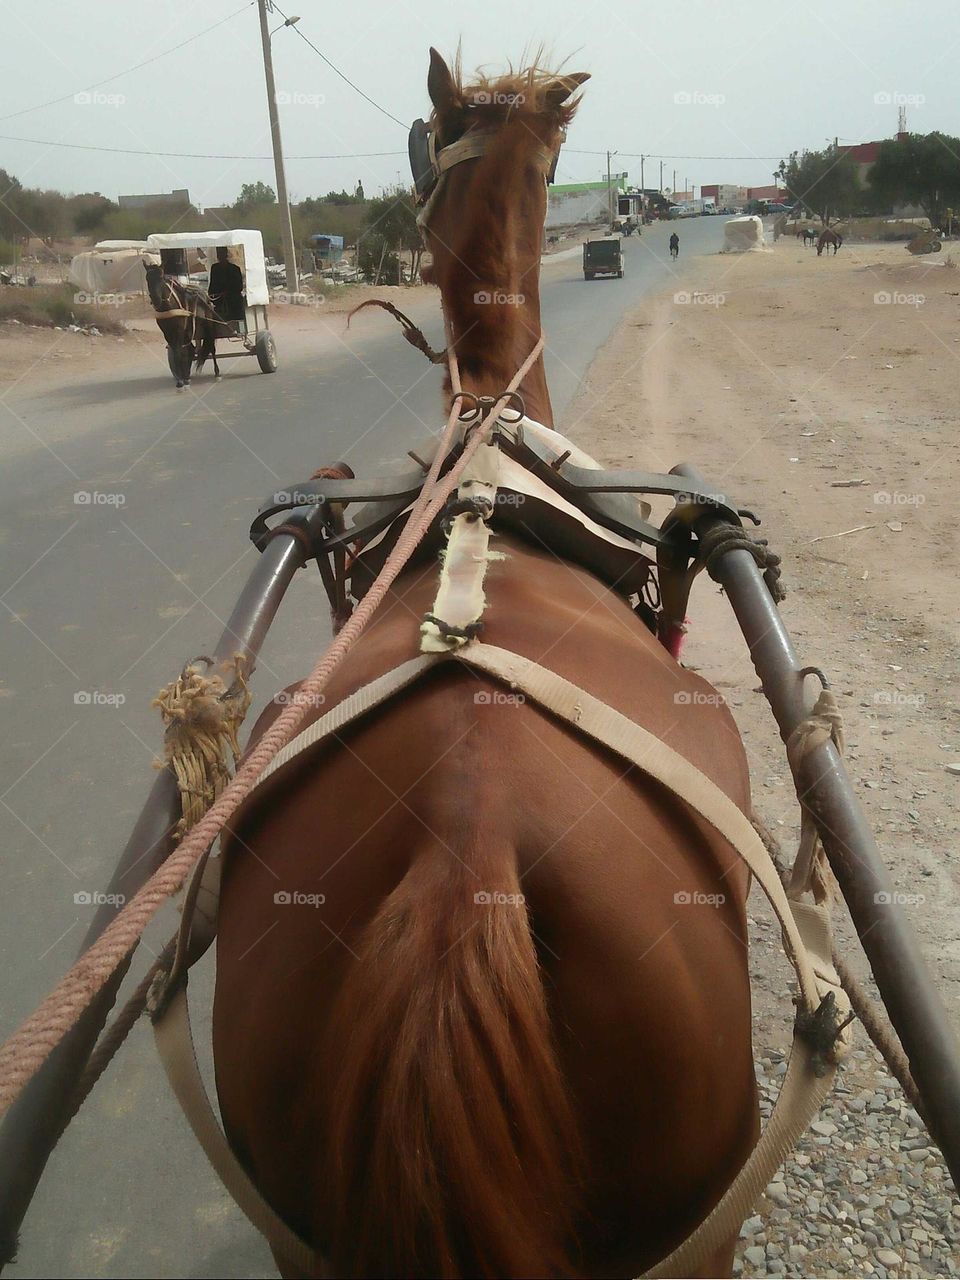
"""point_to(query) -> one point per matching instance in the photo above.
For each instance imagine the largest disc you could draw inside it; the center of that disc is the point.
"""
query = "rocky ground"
(824, 393)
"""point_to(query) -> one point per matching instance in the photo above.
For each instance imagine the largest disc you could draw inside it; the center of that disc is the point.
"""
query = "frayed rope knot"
(202, 715)
(728, 537)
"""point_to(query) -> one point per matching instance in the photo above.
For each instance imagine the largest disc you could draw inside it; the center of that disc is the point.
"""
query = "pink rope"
(28, 1047)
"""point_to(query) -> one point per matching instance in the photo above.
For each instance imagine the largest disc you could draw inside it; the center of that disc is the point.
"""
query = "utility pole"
(286, 225)
(609, 194)
(661, 177)
(673, 189)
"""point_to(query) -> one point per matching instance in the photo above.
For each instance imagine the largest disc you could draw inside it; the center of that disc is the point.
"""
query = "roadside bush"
(51, 305)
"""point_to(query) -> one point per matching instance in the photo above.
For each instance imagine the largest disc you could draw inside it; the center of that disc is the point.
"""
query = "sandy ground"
(823, 394)
(787, 378)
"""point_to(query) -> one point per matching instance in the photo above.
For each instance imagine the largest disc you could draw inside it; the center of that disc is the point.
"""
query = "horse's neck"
(495, 328)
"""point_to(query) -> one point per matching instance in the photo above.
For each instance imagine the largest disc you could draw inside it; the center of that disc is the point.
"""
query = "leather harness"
(821, 1034)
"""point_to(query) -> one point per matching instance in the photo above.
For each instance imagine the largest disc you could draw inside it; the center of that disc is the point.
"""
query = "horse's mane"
(494, 99)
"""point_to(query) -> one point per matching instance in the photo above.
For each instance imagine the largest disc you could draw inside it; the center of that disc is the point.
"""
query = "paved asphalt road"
(112, 600)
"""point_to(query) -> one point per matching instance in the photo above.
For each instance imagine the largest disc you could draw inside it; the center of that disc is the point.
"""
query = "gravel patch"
(866, 1192)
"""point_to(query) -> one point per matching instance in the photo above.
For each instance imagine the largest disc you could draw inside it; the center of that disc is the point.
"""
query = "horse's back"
(461, 799)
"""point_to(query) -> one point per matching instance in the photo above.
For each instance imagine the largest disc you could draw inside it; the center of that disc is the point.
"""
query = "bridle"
(167, 295)
(430, 163)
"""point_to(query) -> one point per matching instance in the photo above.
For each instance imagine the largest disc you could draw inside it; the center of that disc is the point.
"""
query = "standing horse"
(188, 321)
(510, 1033)
(809, 235)
(827, 237)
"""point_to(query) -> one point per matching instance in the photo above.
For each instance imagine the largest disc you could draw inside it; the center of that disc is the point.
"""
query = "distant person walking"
(674, 246)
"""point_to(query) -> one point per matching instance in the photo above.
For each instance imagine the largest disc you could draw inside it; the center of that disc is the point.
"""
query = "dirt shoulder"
(824, 393)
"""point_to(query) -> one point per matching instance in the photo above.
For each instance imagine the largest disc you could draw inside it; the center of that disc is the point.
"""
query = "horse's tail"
(453, 1148)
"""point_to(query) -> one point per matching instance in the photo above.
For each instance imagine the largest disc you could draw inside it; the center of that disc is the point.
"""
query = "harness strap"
(820, 1034)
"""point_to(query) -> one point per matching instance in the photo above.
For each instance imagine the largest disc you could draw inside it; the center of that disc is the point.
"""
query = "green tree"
(11, 224)
(825, 183)
(253, 194)
(921, 169)
(390, 230)
(88, 211)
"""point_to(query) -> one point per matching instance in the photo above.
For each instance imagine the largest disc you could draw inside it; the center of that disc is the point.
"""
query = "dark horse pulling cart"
(188, 319)
(495, 471)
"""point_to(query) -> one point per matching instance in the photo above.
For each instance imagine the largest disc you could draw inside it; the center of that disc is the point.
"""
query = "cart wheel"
(937, 246)
(266, 350)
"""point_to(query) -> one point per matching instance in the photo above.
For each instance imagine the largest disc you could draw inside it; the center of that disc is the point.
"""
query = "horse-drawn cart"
(247, 329)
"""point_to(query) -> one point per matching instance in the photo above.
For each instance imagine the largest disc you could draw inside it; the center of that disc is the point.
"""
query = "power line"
(69, 97)
(651, 155)
(192, 155)
(337, 71)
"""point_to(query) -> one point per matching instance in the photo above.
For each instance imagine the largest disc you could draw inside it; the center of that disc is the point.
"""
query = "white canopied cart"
(246, 250)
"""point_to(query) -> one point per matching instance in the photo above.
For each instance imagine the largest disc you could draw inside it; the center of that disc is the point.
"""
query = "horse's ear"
(441, 86)
(560, 89)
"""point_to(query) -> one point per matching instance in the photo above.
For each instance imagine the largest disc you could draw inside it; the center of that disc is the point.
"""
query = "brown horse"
(829, 237)
(482, 1002)
(190, 329)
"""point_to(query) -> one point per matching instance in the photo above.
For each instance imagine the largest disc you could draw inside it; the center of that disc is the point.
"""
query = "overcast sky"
(688, 78)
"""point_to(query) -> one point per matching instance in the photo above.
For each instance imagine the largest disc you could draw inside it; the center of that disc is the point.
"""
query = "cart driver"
(226, 288)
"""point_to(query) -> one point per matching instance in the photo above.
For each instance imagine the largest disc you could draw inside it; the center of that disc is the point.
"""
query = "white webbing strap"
(805, 928)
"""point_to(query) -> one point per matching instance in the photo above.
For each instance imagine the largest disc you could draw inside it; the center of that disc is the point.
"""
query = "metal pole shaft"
(911, 999)
(286, 225)
(34, 1123)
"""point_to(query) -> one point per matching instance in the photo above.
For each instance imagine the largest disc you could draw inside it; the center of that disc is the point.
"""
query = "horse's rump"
(415, 1046)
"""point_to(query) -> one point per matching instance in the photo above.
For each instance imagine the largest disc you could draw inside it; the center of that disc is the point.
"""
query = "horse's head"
(483, 179)
(154, 274)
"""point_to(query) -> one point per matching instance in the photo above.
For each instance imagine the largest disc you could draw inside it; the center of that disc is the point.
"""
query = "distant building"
(773, 193)
(570, 203)
(181, 197)
(724, 194)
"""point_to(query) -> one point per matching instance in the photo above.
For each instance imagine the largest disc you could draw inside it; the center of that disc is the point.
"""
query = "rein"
(25, 1051)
